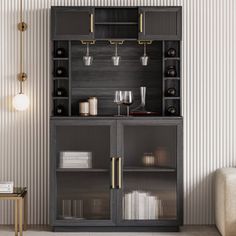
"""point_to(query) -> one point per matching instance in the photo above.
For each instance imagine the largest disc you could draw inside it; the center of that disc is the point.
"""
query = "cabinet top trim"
(118, 7)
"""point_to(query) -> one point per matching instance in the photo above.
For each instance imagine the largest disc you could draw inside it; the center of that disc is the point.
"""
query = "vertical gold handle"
(120, 173)
(113, 172)
(141, 22)
(91, 23)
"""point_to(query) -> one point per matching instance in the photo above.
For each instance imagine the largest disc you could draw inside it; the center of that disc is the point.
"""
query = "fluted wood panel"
(208, 50)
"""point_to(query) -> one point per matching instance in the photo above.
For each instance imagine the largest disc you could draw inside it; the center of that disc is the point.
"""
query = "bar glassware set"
(125, 98)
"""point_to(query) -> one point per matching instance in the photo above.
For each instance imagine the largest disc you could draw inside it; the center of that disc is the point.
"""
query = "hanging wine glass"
(144, 58)
(116, 58)
(88, 60)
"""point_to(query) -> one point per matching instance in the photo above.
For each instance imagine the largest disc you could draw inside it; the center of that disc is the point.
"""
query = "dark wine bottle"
(171, 110)
(171, 52)
(171, 92)
(60, 52)
(171, 71)
(60, 92)
(60, 71)
(60, 110)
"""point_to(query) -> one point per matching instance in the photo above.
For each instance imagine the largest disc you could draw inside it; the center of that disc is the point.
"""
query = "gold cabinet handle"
(141, 22)
(113, 172)
(91, 23)
(120, 173)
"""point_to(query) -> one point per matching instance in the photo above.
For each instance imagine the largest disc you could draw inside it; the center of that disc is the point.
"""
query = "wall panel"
(208, 51)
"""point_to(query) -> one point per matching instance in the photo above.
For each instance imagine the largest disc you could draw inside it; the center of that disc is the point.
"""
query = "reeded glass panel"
(83, 173)
(83, 196)
(149, 196)
(149, 173)
(93, 140)
(150, 146)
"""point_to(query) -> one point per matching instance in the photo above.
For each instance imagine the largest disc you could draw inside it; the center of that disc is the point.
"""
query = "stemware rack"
(102, 78)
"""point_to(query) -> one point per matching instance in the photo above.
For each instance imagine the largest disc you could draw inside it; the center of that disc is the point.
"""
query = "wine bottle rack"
(61, 81)
(171, 79)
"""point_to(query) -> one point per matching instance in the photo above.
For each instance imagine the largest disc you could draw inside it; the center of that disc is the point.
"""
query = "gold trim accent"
(116, 41)
(113, 172)
(120, 173)
(144, 41)
(20, 210)
(141, 22)
(20, 216)
(25, 212)
(16, 216)
(22, 76)
(22, 26)
(88, 41)
(91, 23)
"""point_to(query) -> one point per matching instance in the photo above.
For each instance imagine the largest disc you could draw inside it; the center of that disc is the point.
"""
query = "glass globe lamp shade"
(20, 102)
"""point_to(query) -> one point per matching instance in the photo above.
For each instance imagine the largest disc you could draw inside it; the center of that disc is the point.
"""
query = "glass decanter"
(141, 109)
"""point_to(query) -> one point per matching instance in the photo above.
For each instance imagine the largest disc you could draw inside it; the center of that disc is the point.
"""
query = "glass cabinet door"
(151, 158)
(82, 157)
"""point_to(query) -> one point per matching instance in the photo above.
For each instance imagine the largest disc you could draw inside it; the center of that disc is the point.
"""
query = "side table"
(19, 196)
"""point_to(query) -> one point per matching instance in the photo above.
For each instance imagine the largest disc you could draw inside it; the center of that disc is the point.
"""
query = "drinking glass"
(77, 209)
(118, 100)
(66, 209)
(128, 99)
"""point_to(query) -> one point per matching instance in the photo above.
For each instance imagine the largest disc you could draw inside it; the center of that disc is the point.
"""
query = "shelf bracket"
(88, 41)
(144, 41)
(116, 41)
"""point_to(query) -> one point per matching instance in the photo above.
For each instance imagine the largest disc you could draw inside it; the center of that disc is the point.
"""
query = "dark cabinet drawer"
(72, 23)
(160, 23)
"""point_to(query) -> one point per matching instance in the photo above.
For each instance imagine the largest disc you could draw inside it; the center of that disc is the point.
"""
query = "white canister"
(84, 108)
(93, 106)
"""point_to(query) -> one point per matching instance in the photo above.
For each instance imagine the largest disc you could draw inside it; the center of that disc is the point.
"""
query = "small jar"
(148, 159)
(84, 108)
(93, 106)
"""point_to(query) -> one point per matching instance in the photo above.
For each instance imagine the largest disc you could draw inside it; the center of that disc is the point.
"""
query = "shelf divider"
(81, 170)
(149, 169)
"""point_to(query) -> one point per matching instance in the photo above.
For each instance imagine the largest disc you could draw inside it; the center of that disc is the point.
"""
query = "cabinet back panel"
(102, 78)
(116, 14)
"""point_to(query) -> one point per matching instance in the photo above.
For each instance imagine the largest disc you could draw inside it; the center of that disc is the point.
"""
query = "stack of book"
(75, 160)
(140, 205)
(6, 187)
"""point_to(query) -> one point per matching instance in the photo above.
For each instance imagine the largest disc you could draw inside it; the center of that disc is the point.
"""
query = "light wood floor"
(185, 231)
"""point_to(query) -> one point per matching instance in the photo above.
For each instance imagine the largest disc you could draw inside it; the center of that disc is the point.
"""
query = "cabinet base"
(115, 229)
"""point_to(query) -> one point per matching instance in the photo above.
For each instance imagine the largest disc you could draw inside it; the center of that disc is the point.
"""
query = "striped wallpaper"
(209, 37)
